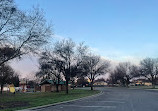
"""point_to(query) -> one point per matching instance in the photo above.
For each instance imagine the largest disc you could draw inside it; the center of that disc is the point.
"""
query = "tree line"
(125, 71)
(66, 60)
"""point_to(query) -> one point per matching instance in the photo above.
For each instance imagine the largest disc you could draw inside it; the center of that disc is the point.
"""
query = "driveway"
(112, 99)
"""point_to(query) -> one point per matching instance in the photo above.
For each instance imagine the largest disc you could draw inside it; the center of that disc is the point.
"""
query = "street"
(113, 99)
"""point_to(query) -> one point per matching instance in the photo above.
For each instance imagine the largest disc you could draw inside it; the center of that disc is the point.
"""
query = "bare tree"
(65, 52)
(45, 71)
(20, 32)
(57, 69)
(149, 69)
(75, 73)
(44, 67)
(93, 66)
(51, 68)
(24, 31)
(123, 73)
(112, 78)
(63, 61)
(76, 68)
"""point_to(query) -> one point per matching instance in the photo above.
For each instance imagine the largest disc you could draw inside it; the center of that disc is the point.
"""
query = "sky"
(119, 30)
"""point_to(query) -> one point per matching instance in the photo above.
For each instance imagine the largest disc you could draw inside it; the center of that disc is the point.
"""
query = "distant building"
(50, 86)
(141, 82)
(100, 82)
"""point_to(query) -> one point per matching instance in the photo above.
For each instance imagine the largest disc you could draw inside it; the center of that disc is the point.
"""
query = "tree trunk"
(67, 89)
(92, 85)
(57, 87)
(68, 75)
(153, 85)
(1, 88)
(73, 87)
(73, 84)
(127, 85)
(153, 82)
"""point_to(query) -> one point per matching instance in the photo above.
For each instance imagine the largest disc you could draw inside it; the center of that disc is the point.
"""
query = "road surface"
(113, 99)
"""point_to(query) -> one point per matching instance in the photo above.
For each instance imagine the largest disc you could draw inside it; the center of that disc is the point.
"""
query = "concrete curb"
(44, 106)
(152, 90)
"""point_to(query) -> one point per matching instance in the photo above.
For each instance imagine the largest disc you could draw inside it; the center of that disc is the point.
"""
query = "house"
(100, 82)
(148, 84)
(50, 86)
(141, 82)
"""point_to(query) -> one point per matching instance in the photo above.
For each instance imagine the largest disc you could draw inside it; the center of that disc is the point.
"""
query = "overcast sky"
(120, 30)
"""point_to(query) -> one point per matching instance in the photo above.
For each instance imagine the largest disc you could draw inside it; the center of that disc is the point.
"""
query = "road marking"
(90, 106)
(107, 101)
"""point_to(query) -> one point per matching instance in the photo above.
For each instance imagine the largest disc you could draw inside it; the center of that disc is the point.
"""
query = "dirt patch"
(13, 104)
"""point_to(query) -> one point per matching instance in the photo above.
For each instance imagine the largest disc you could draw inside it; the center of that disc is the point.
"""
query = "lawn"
(10, 102)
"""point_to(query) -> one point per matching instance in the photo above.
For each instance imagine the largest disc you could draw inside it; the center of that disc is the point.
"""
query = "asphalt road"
(113, 99)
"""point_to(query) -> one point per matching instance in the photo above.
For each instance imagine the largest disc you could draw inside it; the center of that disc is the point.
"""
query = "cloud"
(116, 56)
(25, 67)
(94, 50)
(59, 37)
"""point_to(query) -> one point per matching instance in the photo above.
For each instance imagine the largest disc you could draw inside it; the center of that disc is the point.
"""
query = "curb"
(45, 106)
(154, 90)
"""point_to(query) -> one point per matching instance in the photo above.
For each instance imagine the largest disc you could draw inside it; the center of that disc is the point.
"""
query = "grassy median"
(10, 102)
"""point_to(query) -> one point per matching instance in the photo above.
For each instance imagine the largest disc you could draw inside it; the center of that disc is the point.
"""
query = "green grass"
(38, 99)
